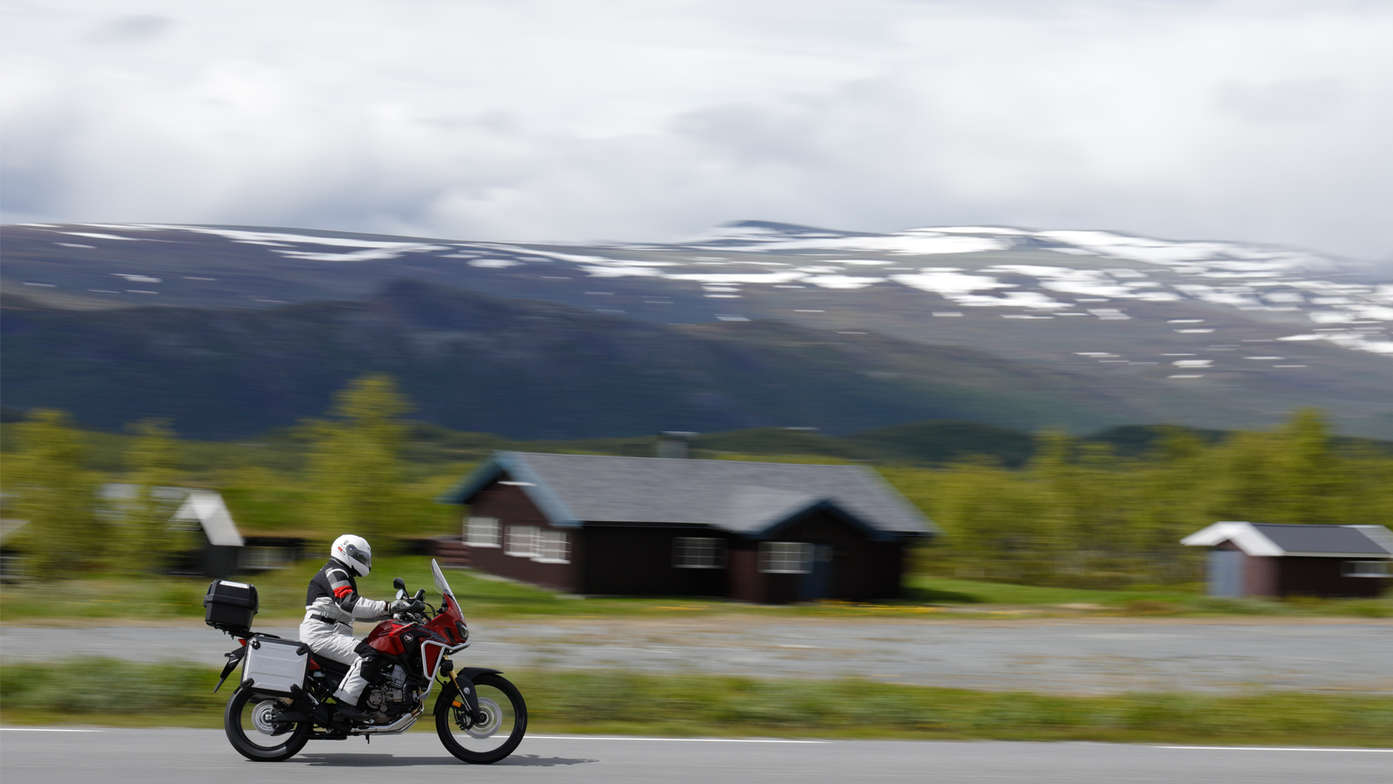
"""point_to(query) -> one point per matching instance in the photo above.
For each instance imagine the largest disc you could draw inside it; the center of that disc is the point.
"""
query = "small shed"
(229, 549)
(1270, 559)
(221, 548)
(10, 556)
(205, 509)
(671, 526)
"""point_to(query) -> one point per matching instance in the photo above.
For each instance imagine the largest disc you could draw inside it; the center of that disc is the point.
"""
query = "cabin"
(217, 547)
(1276, 560)
(674, 526)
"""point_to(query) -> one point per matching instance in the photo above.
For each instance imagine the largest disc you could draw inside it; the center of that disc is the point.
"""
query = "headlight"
(463, 632)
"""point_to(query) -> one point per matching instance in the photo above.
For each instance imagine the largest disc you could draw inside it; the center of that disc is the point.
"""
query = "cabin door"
(1226, 573)
(817, 584)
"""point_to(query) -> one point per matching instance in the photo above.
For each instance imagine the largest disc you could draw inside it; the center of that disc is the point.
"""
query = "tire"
(246, 738)
(479, 745)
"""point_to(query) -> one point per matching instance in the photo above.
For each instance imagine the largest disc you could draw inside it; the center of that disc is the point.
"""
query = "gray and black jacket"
(333, 597)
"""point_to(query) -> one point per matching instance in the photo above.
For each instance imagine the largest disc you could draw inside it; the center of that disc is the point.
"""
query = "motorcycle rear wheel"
(485, 744)
(246, 722)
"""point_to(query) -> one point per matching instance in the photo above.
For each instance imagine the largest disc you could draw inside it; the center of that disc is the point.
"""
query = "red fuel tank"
(386, 637)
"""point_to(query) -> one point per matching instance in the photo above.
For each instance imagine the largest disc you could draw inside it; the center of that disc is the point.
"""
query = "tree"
(1245, 485)
(1311, 474)
(354, 467)
(1064, 514)
(55, 494)
(146, 537)
(1166, 503)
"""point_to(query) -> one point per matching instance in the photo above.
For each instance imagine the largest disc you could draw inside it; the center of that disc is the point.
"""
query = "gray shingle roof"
(1342, 539)
(742, 497)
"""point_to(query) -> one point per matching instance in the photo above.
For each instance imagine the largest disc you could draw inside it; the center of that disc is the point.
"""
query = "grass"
(113, 693)
(282, 593)
(1168, 600)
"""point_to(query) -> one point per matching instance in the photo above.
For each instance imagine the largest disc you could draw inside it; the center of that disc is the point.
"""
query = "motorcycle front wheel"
(255, 731)
(482, 742)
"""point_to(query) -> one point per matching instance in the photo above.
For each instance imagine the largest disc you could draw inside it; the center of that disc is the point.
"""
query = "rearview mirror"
(399, 584)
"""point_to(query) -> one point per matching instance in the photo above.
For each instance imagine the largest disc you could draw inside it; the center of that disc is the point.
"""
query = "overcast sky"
(646, 120)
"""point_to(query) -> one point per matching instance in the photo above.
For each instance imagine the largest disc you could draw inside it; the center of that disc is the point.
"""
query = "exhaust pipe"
(400, 725)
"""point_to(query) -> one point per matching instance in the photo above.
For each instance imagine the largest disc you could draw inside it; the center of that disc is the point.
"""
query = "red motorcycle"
(282, 700)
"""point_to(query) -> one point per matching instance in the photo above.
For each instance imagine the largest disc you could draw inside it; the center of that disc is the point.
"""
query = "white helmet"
(353, 552)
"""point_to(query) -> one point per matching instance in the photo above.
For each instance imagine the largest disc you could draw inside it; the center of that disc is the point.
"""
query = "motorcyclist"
(332, 604)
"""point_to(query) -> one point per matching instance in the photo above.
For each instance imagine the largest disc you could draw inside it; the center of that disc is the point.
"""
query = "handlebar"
(418, 602)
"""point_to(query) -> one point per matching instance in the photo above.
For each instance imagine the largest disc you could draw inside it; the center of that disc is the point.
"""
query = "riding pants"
(335, 641)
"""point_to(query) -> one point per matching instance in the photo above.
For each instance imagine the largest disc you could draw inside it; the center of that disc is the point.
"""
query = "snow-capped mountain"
(1007, 273)
(1275, 326)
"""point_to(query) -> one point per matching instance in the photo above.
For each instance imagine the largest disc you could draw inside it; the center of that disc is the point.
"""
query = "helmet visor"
(363, 557)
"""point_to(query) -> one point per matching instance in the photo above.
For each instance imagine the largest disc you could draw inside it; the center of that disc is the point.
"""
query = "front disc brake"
(493, 718)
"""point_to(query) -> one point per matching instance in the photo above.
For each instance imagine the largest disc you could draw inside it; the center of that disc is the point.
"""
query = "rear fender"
(234, 658)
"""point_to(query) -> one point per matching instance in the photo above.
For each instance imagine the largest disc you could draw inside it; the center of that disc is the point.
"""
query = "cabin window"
(522, 541)
(265, 557)
(698, 552)
(1366, 569)
(481, 532)
(553, 547)
(785, 557)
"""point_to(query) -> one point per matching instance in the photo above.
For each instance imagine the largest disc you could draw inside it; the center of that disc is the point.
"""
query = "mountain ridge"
(1226, 327)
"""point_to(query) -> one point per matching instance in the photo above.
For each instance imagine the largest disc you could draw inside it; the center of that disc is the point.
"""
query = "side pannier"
(275, 665)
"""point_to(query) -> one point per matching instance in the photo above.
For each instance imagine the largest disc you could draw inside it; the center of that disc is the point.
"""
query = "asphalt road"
(182, 756)
(1093, 656)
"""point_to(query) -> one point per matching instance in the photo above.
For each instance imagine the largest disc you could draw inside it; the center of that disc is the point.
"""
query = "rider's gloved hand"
(405, 605)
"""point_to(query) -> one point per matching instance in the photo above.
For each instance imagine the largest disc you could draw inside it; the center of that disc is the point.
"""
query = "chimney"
(675, 443)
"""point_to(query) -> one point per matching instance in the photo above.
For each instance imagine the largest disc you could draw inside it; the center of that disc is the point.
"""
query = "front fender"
(465, 697)
(471, 672)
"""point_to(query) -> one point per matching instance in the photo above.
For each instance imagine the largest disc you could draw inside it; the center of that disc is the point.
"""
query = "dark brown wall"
(746, 583)
(511, 506)
(638, 560)
(1293, 576)
(1323, 577)
(861, 569)
(1260, 575)
(630, 560)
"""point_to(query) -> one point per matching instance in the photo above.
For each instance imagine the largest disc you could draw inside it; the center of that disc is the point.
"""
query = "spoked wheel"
(256, 730)
(504, 720)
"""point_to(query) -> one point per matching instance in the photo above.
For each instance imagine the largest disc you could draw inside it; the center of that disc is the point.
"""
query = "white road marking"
(1335, 749)
(43, 729)
(672, 740)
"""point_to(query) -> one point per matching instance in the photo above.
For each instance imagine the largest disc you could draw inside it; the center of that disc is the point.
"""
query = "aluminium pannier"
(275, 665)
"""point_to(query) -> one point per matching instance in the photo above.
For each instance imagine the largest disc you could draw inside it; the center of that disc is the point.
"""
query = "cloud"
(129, 29)
(641, 120)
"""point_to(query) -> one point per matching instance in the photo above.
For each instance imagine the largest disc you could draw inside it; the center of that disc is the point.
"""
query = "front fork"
(465, 696)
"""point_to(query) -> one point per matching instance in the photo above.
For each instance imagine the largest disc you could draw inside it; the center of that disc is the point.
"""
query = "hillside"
(524, 369)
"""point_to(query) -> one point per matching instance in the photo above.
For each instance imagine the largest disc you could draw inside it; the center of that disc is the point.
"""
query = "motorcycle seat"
(331, 668)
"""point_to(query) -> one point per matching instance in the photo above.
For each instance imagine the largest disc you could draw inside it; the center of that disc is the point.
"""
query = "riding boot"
(353, 713)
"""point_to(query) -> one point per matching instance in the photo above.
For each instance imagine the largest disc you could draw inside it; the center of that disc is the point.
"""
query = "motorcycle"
(281, 702)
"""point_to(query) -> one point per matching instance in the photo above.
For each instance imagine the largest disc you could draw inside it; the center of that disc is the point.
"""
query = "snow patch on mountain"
(1091, 275)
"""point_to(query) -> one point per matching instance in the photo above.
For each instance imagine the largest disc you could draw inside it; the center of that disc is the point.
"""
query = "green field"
(282, 594)
(126, 694)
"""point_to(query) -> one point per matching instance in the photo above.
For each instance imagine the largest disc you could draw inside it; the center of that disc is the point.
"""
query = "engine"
(389, 693)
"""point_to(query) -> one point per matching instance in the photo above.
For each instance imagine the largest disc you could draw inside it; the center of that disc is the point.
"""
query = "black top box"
(229, 606)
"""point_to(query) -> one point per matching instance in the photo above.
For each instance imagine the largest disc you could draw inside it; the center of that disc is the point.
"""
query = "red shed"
(1268, 559)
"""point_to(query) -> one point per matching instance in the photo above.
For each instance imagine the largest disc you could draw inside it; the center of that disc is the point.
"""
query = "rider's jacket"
(333, 597)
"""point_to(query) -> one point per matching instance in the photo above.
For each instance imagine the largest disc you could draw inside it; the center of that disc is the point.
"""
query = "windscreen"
(440, 583)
